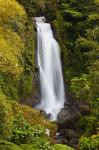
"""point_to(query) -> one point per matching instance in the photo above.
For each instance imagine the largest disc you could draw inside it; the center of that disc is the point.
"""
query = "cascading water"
(52, 88)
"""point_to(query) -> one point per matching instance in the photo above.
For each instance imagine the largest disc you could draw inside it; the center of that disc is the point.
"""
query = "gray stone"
(67, 118)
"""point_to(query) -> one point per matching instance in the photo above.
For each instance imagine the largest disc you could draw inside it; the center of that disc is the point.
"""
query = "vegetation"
(89, 143)
(16, 52)
(76, 27)
(63, 147)
(23, 125)
(8, 145)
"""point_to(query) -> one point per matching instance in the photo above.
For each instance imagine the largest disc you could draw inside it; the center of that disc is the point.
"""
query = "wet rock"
(69, 133)
(34, 98)
(84, 109)
(43, 113)
(66, 118)
(73, 142)
(30, 101)
(67, 136)
(38, 19)
(61, 141)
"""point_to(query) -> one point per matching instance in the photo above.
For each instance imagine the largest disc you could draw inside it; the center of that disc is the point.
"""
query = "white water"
(52, 88)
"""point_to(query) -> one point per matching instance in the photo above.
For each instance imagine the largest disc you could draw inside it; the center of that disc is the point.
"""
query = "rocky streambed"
(68, 120)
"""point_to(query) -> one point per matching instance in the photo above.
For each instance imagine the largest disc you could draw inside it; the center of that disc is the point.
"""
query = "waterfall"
(51, 79)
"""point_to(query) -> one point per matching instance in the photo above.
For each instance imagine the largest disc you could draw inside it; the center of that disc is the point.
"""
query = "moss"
(5, 145)
(34, 117)
(16, 50)
(9, 110)
(26, 85)
(62, 147)
(6, 116)
(12, 14)
(10, 51)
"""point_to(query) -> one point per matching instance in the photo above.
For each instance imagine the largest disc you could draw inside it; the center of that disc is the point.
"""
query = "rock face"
(67, 136)
(67, 117)
(72, 112)
(84, 109)
(67, 121)
(34, 97)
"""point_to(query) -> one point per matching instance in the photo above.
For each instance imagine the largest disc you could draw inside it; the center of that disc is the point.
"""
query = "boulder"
(66, 118)
(73, 142)
(69, 133)
(45, 115)
(84, 109)
(60, 141)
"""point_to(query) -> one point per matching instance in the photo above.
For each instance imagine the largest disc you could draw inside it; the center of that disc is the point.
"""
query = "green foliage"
(12, 14)
(26, 82)
(81, 87)
(75, 24)
(9, 53)
(93, 18)
(22, 124)
(87, 86)
(29, 6)
(21, 131)
(88, 125)
(39, 8)
(91, 143)
(12, 19)
(5, 116)
(5, 145)
(62, 147)
(16, 51)
(87, 51)
(80, 55)
(55, 147)
(71, 12)
(24, 133)
(29, 147)
(81, 51)
(93, 34)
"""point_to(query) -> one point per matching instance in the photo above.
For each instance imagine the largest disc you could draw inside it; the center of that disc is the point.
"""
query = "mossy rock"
(62, 147)
(5, 145)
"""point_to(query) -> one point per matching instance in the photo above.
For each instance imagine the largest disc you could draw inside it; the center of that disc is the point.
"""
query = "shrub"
(81, 86)
(91, 143)
(5, 116)
(12, 21)
(24, 133)
(62, 147)
(88, 125)
(21, 132)
(29, 147)
(12, 14)
(5, 145)
(16, 50)
(11, 47)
